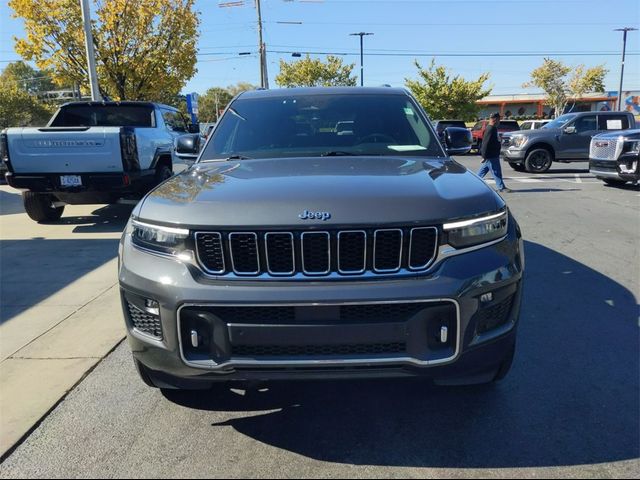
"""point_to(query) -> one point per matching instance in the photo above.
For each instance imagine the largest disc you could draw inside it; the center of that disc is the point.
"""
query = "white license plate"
(70, 180)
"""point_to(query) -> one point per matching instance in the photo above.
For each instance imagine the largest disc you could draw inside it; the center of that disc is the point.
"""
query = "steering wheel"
(374, 136)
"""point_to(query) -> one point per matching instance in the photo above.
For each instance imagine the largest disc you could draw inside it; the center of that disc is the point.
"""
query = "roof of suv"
(303, 91)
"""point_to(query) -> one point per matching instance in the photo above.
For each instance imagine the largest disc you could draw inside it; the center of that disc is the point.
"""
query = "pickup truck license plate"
(70, 180)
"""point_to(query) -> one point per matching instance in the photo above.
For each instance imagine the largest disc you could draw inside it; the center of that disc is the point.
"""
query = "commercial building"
(521, 106)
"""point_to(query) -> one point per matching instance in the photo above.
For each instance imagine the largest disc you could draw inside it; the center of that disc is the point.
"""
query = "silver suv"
(294, 250)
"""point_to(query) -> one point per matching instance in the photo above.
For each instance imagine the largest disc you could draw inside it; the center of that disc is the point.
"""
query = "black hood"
(353, 190)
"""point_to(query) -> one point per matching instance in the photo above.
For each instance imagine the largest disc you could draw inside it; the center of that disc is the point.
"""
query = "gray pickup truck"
(92, 152)
(565, 139)
(294, 248)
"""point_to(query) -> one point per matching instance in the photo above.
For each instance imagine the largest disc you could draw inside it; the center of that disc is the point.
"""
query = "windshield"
(561, 121)
(319, 125)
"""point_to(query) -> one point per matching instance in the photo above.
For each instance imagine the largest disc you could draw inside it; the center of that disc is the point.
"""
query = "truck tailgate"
(65, 150)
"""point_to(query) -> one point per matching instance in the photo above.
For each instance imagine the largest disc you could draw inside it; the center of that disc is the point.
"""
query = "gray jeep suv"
(565, 139)
(291, 250)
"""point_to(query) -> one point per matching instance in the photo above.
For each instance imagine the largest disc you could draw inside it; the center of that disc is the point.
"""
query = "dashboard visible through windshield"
(322, 125)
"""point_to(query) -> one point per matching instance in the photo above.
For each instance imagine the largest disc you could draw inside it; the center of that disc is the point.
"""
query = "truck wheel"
(39, 207)
(518, 167)
(538, 160)
(163, 172)
(613, 182)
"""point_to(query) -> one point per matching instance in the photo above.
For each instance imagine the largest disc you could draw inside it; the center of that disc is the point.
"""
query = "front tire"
(538, 160)
(163, 172)
(40, 208)
(518, 167)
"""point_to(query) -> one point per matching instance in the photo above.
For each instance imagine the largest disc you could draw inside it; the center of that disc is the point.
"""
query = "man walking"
(490, 151)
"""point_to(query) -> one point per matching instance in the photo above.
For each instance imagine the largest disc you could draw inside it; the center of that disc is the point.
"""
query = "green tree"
(240, 87)
(310, 72)
(443, 96)
(562, 83)
(145, 49)
(21, 75)
(213, 101)
(19, 109)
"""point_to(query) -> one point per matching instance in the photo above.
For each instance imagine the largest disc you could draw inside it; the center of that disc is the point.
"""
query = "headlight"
(518, 140)
(475, 231)
(158, 237)
(634, 147)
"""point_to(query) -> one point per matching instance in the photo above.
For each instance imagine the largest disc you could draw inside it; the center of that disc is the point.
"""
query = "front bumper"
(450, 292)
(626, 168)
(512, 155)
(96, 187)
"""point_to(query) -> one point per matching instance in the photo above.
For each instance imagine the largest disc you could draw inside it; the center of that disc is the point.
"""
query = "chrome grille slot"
(316, 253)
(387, 250)
(423, 245)
(280, 253)
(210, 251)
(352, 251)
(244, 253)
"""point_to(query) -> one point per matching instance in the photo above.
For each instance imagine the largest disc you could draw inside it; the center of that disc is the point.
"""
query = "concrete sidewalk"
(59, 307)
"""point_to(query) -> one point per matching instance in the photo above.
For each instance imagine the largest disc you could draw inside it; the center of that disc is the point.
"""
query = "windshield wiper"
(237, 114)
(338, 153)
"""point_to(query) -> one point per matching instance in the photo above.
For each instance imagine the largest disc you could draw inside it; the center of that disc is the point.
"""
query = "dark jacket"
(490, 144)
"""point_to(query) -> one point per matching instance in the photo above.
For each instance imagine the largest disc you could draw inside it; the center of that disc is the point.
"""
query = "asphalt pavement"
(569, 408)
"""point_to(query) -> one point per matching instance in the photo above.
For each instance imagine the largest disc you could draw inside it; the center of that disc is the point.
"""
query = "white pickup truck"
(92, 152)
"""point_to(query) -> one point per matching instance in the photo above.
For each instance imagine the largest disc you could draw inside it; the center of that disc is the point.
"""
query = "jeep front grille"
(317, 253)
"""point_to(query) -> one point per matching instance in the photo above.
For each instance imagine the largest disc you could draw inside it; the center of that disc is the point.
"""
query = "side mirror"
(193, 128)
(187, 147)
(457, 141)
(570, 130)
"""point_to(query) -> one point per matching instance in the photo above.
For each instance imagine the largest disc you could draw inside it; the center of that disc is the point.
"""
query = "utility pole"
(91, 56)
(264, 77)
(361, 35)
(624, 50)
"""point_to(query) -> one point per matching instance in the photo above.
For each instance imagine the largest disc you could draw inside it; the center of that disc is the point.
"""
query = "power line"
(441, 54)
(455, 24)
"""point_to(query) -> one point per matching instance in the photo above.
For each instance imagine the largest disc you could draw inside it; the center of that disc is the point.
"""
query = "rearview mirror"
(570, 130)
(457, 140)
(187, 147)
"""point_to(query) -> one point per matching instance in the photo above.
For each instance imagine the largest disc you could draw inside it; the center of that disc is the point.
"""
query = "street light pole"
(361, 35)
(91, 56)
(624, 50)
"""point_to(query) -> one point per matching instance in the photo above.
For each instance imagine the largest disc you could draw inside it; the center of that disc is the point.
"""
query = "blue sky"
(404, 28)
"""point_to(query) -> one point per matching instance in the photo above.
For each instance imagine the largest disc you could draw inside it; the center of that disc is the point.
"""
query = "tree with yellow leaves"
(145, 49)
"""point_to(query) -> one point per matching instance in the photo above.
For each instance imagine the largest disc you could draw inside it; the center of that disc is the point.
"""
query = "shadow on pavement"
(10, 203)
(625, 186)
(107, 219)
(571, 398)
